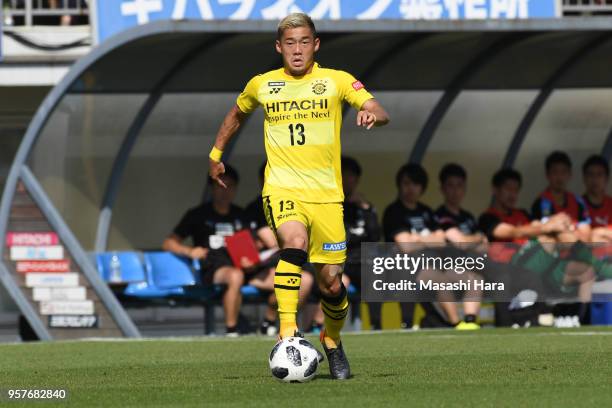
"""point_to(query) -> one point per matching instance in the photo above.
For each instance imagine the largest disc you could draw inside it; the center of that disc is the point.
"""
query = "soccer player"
(361, 225)
(263, 276)
(459, 225)
(556, 199)
(503, 222)
(461, 228)
(407, 220)
(207, 225)
(596, 173)
(302, 195)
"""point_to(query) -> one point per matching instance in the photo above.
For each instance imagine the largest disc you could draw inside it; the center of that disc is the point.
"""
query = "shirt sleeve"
(185, 227)
(389, 225)
(473, 223)
(353, 91)
(433, 224)
(247, 101)
(487, 224)
(393, 224)
(372, 227)
(536, 209)
(584, 217)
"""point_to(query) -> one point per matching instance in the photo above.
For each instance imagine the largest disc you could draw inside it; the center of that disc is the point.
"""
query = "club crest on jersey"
(319, 87)
(334, 246)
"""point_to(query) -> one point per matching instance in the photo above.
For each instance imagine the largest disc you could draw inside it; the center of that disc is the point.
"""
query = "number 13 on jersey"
(293, 134)
(296, 133)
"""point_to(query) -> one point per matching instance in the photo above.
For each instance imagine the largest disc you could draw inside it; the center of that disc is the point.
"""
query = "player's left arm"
(372, 114)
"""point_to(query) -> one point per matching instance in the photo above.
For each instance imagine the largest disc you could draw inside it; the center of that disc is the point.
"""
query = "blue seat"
(132, 269)
(169, 271)
(144, 290)
(250, 291)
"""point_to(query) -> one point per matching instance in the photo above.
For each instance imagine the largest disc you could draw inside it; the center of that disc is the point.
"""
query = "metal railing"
(27, 12)
(582, 7)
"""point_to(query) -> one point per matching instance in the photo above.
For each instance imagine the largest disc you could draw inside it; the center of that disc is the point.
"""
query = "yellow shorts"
(324, 223)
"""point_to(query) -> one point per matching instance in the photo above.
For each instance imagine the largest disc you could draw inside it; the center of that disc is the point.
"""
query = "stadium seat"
(250, 291)
(132, 269)
(144, 290)
(168, 270)
(134, 273)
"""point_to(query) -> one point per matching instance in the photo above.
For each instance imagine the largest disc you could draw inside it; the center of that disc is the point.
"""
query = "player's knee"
(294, 256)
(589, 274)
(331, 288)
(235, 277)
(297, 241)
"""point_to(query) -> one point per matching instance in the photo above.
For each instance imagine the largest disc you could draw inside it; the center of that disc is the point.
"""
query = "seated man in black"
(461, 228)
(207, 225)
(407, 220)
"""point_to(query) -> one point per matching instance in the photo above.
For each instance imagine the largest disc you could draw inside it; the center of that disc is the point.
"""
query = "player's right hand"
(216, 170)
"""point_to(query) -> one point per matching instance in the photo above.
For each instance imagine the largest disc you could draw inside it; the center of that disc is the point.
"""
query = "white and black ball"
(294, 359)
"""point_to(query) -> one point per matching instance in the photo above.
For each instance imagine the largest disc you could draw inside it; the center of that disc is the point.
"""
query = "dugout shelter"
(118, 149)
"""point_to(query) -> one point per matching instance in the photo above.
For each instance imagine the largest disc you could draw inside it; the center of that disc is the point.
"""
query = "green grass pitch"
(528, 367)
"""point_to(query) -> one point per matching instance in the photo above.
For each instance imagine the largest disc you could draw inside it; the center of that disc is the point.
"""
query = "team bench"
(163, 278)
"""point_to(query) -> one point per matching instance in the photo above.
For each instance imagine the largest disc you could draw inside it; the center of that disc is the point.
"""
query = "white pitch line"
(602, 333)
(429, 333)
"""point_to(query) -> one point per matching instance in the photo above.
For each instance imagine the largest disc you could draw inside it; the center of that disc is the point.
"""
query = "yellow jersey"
(303, 117)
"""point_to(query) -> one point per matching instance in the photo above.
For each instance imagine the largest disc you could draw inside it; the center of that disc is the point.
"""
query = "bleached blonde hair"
(295, 20)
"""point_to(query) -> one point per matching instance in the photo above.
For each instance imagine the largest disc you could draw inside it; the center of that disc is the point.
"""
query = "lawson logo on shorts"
(334, 246)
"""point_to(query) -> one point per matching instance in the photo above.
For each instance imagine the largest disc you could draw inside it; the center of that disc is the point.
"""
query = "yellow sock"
(335, 311)
(287, 281)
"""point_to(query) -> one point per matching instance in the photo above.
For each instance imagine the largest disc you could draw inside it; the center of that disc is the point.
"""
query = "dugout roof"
(84, 136)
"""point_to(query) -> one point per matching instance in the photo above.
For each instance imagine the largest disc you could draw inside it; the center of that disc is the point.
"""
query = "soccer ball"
(294, 359)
